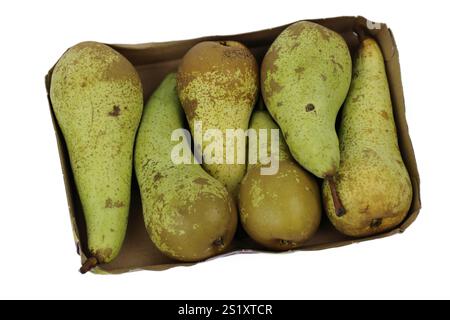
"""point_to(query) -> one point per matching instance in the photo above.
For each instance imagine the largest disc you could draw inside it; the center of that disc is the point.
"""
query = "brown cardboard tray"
(153, 61)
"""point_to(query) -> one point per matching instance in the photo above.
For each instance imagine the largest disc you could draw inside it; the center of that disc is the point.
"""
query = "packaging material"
(153, 61)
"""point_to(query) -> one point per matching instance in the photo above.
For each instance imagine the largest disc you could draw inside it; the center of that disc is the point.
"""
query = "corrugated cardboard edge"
(391, 56)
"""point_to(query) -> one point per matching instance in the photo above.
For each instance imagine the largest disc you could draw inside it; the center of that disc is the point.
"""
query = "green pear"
(189, 215)
(282, 210)
(261, 119)
(372, 182)
(97, 98)
(218, 86)
(305, 77)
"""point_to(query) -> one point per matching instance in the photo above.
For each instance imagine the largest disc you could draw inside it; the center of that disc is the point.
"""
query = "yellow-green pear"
(372, 182)
(259, 122)
(189, 215)
(280, 210)
(305, 77)
(218, 87)
(97, 98)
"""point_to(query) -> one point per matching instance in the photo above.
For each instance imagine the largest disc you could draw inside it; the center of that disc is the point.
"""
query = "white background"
(37, 254)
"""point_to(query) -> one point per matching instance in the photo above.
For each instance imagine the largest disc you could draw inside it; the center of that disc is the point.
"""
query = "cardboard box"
(153, 61)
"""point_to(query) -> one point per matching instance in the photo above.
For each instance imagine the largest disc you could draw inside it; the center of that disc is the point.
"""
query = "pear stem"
(88, 265)
(338, 207)
(359, 30)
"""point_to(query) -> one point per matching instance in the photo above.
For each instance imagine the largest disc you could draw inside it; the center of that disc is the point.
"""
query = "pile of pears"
(192, 210)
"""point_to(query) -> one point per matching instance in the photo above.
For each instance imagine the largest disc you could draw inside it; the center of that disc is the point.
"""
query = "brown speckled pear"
(189, 215)
(218, 85)
(305, 77)
(97, 98)
(372, 182)
(283, 210)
